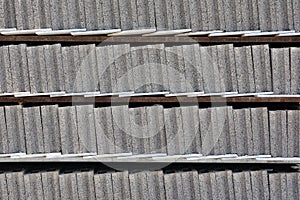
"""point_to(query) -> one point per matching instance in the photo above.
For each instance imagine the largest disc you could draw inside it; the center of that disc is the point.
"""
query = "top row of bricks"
(198, 15)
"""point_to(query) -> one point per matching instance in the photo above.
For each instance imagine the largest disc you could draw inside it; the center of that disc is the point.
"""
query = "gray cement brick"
(111, 15)
(205, 186)
(81, 14)
(156, 67)
(182, 146)
(213, 18)
(138, 129)
(124, 80)
(42, 69)
(259, 183)
(90, 15)
(192, 75)
(260, 131)
(99, 15)
(190, 129)
(104, 69)
(20, 12)
(190, 185)
(15, 185)
(76, 70)
(50, 74)
(30, 15)
(239, 16)
(196, 15)
(273, 15)
(34, 69)
(15, 129)
(179, 186)
(221, 14)
(33, 186)
(104, 130)
(199, 70)
(68, 130)
(9, 12)
(244, 69)
(125, 9)
(45, 15)
(278, 133)
(181, 15)
(68, 186)
(262, 68)
(254, 22)
(2, 14)
(283, 185)
(296, 13)
(282, 14)
(3, 187)
(275, 186)
(230, 16)
(145, 14)
(86, 129)
(68, 76)
(8, 80)
(156, 129)
(156, 188)
(170, 186)
(85, 185)
(242, 185)
(295, 70)
(218, 136)
(121, 187)
(281, 71)
(264, 15)
(214, 186)
(51, 129)
(122, 129)
(50, 181)
(293, 126)
(138, 185)
(33, 130)
(56, 15)
(73, 13)
(58, 65)
(223, 69)
(224, 185)
(103, 186)
(246, 14)
(231, 136)
(3, 133)
(206, 132)
(36, 13)
(292, 186)
(162, 15)
(171, 132)
(22, 68)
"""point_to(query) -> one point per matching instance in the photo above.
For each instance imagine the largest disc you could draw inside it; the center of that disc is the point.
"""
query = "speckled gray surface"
(171, 131)
(103, 186)
(33, 186)
(293, 126)
(51, 188)
(68, 186)
(295, 70)
(121, 185)
(259, 183)
(16, 185)
(3, 133)
(85, 185)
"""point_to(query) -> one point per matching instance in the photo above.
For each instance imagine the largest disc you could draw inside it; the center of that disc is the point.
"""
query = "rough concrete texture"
(293, 126)
(33, 130)
(170, 186)
(296, 13)
(171, 131)
(208, 144)
(104, 130)
(33, 186)
(85, 185)
(156, 188)
(68, 186)
(259, 183)
(278, 133)
(86, 129)
(8, 80)
(121, 185)
(51, 130)
(68, 130)
(209, 70)
(3, 133)
(15, 185)
(3, 187)
(295, 70)
(103, 186)
(205, 186)
(51, 188)
(90, 15)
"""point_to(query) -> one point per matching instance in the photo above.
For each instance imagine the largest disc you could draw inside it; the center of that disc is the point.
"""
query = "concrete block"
(33, 130)
(156, 129)
(275, 185)
(196, 15)
(104, 130)
(50, 181)
(293, 126)
(33, 186)
(126, 11)
(45, 15)
(33, 69)
(86, 129)
(221, 14)
(56, 15)
(85, 185)
(122, 129)
(103, 70)
(264, 15)
(259, 183)
(244, 69)
(121, 187)
(170, 186)
(262, 68)
(156, 188)
(162, 15)
(7, 83)
(2, 13)
(205, 186)
(156, 67)
(244, 138)
(124, 79)
(206, 132)
(296, 14)
(260, 131)
(292, 186)
(3, 187)
(68, 186)
(190, 185)
(68, 76)
(103, 186)
(212, 17)
(51, 131)
(278, 133)
(15, 185)
(231, 132)
(281, 70)
(76, 70)
(138, 185)
(15, 129)
(295, 70)
(68, 130)
(3, 133)
(90, 15)
(208, 68)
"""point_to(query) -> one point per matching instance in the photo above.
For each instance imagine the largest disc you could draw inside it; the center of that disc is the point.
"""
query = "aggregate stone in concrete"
(3, 187)
(205, 186)
(85, 185)
(51, 131)
(295, 70)
(104, 130)
(244, 69)
(15, 129)
(86, 129)
(33, 130)
(121, 187)
(171, 131)
(3, 133)
(262, 68)
(293, 126)
(15, 185)
(103, 186)
(156, 67)
(68, 130)
(68, 186)
(260, 185)
(50, 181)
(122, 129)
(103, 71)
(33, 186)
(156, 129)
(260, 131)
(296, 14)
